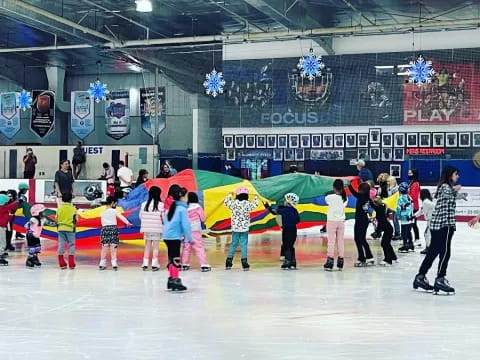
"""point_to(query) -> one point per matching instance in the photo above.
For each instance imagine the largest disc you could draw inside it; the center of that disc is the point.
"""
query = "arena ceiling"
(179, 36)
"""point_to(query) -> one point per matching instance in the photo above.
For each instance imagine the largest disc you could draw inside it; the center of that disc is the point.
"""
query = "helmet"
(23, 186)
(242, 190)
(292, 198)
(4, 199)
(36, 209)
(403, 188)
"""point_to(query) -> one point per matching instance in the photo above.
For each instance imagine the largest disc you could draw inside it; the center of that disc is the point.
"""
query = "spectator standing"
(78, 159)
(63, 180)
(363, 173)
(125, 175)
(29, 162)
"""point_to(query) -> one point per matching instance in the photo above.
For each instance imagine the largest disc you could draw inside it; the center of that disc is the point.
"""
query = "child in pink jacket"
(196, 216)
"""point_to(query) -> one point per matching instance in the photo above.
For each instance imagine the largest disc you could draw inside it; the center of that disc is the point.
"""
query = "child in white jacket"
(151, 217)
(427, 211)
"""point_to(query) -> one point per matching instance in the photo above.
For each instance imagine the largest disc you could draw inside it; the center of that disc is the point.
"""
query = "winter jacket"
(426, 210)
(5, 213)
(240, 212)
(290, 216)
(414, 192)
(365, 174)
(362, 205)
(178, 227)
(405, 209)
(196, 216)
(151, 221)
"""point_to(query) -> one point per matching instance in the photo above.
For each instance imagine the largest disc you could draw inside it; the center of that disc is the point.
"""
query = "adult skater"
(442, 227)
(363, 173)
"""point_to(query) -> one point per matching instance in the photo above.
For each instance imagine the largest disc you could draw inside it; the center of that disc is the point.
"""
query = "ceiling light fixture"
(144, 5)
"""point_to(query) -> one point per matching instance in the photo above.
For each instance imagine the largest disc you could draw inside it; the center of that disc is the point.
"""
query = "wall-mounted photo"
(250, 141)
(327, 140)
(476, 139)
(362, 140)
(299, 154)
(412, 140)
(387, 140)
(351, 140)
(316, 141)
(282, 141)
(289, 155)
(425, 140)
(399, 140)
(230, 155)
(387, 154)
(374, 154)
(464, 139)
(261, 141)
(339, 140)
(228, 141)
(374, 135)
(305, 140)
(398, 154)
(271, 141)
(396, 170)
(293, 141)
(451, 140)
(277, 154)
(362, 154)
(239, 141)
(317, 154)
(438, 140)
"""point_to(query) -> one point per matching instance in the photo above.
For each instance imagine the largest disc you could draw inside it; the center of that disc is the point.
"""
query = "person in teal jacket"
(405, 216)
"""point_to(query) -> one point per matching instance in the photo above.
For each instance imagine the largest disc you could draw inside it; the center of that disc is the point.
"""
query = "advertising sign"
(82, 120)
(43, 112)
(147, 110)
(117, 114)
(9, 114)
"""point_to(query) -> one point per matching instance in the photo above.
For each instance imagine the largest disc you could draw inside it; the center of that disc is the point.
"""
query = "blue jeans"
(242, 238)
(66, 237)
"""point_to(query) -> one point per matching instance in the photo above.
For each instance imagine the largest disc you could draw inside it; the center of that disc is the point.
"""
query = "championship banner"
(43, 112)
(9, 114)
(82, 121)
(117, 114)
(147, 110)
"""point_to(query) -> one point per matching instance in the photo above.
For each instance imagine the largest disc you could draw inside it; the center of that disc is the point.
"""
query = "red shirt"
(5, 213)
(414, 192)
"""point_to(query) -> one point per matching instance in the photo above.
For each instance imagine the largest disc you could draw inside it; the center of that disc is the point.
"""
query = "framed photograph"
(412, 140)
(399, 140)
(339, 140)
(387, 140)
(293, 141)
(250, 141)
(230, 155)
(351, 140)
(271, 141)
(396, 170)
(424, 140)
(316, 141)
(289, 155)
(261, 141)
(362, 154)
(464, 139)
(374, 135)
(305, 140)
(374, 154)
(387, 154)
(398, 154)
(277, 154)
(228, 141)
(282, 141)
(362, 140)
(438, 140)
(239, 141)
(476, 139)
(327, 140)
(299, 154)
(451, 140)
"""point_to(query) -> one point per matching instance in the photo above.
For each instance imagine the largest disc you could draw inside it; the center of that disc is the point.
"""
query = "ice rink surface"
(266, 313)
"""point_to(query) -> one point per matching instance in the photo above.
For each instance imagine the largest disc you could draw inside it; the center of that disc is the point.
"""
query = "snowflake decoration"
(99, 91)
(214, 83)
(421, 71)
(24, 100)
(311, 66)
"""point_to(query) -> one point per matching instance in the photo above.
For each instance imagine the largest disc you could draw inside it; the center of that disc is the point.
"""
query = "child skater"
(336, 224)
(109, 233)
(176, 228)
(151, 218)
(196, 216)
(5, 209)
(66, 220)
(427, 211)
(34, 230)
(290, 219)
(405, 215)
(442, 227)
(365, 257)
(384, 227)
(241, 209)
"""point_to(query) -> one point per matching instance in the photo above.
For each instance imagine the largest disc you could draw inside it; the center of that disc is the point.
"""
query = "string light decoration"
(311, 66)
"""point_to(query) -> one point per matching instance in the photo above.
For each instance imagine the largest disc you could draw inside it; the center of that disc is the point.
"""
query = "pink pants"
(335, 233)
(197, 247)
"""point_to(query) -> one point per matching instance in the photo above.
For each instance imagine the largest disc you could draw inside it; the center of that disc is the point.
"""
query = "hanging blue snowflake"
(214, 83)
(24, 100)
(311, 66)
(99, 91)
(421, 71)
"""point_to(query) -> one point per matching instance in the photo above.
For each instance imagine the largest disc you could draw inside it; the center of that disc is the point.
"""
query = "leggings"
(415, 227)
(173, 250)
(440, 246)
(360, 236)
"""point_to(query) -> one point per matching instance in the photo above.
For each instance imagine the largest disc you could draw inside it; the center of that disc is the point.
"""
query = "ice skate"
(71, 262)
(340, 262)
(10, 248)
(3, 262)
(397, 237)
(61, 262)
(404, 249)
(145, 264)
(418, 243)
(228, 263)
(421, 282)
(19, 236)
(114, 265)
(284, 265)
(411, 247)
(385, 263)
(323, 230)
(359, 263)
(29, 263)
(292, 265)
(155, 265)
(36, 261)
(442, 285)
(205, 268)
(175, 285)
(370, 262)
(328, 266)
(424, 251)
(102, 265)
(376, 235)
(185, 267)
(245, 265)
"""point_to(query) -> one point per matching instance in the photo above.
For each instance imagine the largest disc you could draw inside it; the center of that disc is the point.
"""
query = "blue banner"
(82, 120)
(9, 114)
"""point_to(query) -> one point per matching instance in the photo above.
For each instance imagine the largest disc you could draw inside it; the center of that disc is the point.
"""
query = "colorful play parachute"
(212, 188)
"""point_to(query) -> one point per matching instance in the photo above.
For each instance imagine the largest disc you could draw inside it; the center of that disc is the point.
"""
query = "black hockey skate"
(376, 235)
(424, 251)
(228, 263)
(292, 265)
(206, 268)
(3, 262)
(328, 266)
(35, 260)
(245, 265)
(340, 263)
(421, 282)
(185, 267)
(175, 285)
(30, 262)
(285, 265)
(442, 285)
